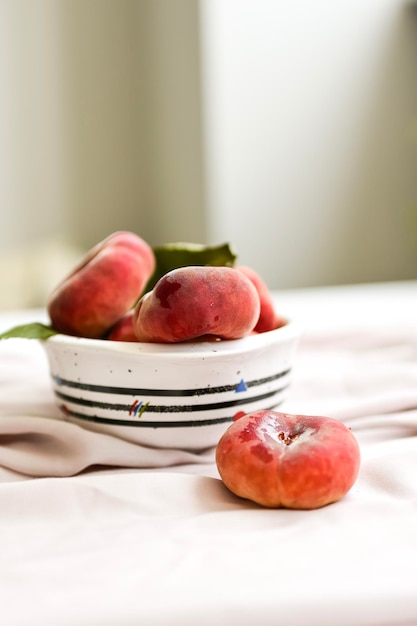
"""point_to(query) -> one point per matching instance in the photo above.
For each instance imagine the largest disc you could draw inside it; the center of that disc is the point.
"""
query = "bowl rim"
(291, 330)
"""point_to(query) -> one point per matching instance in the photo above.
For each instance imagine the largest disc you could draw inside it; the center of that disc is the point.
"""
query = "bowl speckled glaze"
(181, 395)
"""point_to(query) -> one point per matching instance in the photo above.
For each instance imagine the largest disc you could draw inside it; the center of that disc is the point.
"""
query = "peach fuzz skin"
(291, 461)
(123, 329)
(196, 301)
(103, 287)
(268, 317)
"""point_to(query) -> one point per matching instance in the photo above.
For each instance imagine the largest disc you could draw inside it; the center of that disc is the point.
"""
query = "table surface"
(91, 536)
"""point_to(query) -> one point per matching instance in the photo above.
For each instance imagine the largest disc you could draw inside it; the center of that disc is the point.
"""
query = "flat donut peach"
(194, 301)
(103, 287)
(292, 461)
(268, 317)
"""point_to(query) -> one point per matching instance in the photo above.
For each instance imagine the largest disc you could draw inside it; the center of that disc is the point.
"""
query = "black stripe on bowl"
(139, 424)
(161, 408)
(137, 391)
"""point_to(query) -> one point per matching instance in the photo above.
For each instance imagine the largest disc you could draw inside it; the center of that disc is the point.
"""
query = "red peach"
(268, 317)
(193, 301)
(123, 329)
(292, 461)
(103, 287)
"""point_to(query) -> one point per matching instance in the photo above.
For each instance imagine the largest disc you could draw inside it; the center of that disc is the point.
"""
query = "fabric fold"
(39, 446)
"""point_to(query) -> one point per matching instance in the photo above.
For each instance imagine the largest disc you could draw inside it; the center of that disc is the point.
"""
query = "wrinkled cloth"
(37, 446)
(97, 530)
(36, 441)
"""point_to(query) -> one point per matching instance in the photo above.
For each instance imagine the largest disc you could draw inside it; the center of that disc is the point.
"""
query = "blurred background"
(287, 128)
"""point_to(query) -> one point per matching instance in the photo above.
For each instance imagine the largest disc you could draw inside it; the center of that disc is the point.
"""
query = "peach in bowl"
(164, 349)
(178, 395)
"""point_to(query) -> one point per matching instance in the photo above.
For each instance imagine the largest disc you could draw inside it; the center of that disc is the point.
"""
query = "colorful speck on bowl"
(181, 395)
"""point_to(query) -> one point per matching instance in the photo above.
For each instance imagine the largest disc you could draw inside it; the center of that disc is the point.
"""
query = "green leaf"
(174, 255)
(34, 330)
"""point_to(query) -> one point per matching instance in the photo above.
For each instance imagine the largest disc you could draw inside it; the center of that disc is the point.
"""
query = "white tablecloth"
(96, 531)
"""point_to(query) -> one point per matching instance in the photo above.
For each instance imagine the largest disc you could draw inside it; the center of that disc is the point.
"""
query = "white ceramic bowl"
(181, 395)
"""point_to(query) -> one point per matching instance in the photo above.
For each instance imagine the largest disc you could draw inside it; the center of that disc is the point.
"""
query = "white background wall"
(287, 128)
(310, 137)
(99, 119)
